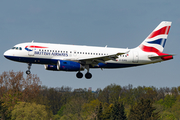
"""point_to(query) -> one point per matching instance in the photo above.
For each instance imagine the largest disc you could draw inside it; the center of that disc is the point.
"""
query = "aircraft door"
(135, 57)
(31, 51)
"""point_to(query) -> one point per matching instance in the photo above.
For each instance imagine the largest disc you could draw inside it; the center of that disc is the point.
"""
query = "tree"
(110, 94)
(89, 109)
(60, 112)
(24, 110)
(118, 112)
(107, 111)
(54, 98)
(14, 88)
(100, 112)
(143, 110)
(4, 112)
(73, 109)
(176, 108)
(169, 100)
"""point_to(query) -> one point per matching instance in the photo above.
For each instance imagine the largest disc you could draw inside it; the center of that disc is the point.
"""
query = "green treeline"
(25, 98)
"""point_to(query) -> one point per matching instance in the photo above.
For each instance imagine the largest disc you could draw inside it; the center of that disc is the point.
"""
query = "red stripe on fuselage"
(164, 30)
(35, 46)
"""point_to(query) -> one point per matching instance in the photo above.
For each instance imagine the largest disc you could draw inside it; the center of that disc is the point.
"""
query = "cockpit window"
(17, 48)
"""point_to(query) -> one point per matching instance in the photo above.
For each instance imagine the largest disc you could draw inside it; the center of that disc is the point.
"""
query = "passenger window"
(20, 48)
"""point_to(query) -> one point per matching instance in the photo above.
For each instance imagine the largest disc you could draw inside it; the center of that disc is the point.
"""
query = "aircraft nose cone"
(6, 54)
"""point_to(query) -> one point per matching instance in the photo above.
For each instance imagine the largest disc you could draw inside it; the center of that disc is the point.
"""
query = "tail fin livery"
(156, 41)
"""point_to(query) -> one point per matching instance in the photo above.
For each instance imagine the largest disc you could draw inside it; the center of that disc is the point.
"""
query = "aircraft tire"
(28, 72)
(79, 75)
(88, 75)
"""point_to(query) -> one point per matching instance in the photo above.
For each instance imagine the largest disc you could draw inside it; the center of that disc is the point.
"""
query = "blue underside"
(54, 62)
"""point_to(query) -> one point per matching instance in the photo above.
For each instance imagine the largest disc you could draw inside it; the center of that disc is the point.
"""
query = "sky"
(116, 23)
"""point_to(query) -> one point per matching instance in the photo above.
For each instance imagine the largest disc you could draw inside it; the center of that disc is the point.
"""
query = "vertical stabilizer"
(156, 41)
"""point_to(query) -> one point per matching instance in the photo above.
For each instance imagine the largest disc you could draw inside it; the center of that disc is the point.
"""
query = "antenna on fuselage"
(32, 41)
(106, 46)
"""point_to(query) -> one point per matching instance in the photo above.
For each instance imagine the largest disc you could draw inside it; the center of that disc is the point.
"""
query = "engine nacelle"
(65, 65)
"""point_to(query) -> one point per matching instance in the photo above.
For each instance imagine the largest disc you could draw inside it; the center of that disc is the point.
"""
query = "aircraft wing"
(100, 59)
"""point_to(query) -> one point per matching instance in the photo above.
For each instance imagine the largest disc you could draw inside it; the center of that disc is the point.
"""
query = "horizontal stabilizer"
(163, 57)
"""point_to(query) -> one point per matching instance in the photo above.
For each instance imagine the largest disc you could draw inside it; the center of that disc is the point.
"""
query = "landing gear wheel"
(28, 72)
(79, 75)
(29, 67)
(88, 75)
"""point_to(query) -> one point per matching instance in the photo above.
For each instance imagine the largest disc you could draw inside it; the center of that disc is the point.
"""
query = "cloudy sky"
(116, 23)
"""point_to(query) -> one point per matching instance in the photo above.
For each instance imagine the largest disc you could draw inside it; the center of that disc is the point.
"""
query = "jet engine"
(65, 65)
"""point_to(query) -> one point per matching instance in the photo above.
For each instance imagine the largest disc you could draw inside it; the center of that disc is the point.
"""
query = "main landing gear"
(79, 75)
(88, 75)
(29, 67)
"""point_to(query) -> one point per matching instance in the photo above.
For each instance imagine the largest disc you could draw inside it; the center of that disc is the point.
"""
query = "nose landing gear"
(29, 67)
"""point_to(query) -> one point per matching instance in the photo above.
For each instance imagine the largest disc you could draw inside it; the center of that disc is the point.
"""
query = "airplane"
(63, 57)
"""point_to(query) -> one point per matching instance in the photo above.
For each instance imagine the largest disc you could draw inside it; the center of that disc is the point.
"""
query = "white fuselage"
(46, 53)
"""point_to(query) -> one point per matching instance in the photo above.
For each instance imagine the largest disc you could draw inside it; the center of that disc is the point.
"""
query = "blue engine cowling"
(64, 65)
